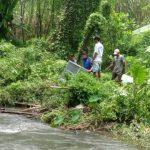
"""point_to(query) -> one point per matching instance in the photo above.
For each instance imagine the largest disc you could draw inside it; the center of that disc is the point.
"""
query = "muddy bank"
(28, 110)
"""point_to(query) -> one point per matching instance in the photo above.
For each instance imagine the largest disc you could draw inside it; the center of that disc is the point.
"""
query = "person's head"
(97, 38)
(84, 54)
(72, 57)
(116, 52)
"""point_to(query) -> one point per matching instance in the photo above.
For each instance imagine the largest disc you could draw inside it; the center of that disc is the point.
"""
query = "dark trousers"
(117, 76)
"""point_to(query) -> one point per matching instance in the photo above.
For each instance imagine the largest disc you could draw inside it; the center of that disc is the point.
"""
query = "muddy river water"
(20, 133)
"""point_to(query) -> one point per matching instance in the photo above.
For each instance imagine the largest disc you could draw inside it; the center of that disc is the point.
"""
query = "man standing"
(118, 66)
(97, 57)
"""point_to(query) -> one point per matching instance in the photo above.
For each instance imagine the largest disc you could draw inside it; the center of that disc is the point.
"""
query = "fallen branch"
(32, 108)
(26, 105)
(16, 112)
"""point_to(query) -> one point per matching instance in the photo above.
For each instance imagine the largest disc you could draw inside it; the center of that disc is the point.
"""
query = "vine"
(106, 9)
(94, 25)
(69, 34)
(6, 16)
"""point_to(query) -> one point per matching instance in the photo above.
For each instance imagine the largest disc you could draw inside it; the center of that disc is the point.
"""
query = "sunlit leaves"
(139, 74)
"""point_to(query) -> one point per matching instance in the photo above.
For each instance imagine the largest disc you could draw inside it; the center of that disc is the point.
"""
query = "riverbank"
(35, 111)
(133, 134)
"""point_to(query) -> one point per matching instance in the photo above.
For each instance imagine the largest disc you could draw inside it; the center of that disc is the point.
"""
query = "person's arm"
(111, 66)
(124, 65)
(95, 55)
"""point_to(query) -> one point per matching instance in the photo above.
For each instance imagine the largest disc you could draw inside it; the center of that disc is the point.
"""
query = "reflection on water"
(20, 133)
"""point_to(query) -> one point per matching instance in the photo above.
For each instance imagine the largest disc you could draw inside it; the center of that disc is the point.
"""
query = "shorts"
(96, 67)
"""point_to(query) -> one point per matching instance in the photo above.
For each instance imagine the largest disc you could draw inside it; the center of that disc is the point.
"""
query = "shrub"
(27, 64)
(5, 98)
(5, 48)
(39, 92)
(139, 46)
(81, 87)
(62, 117)
(84, 87)
(29, 75)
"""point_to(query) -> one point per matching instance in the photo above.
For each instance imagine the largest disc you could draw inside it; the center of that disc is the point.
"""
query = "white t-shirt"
(99, 48)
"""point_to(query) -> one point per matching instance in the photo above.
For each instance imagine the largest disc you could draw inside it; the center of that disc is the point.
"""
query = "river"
(20, 133)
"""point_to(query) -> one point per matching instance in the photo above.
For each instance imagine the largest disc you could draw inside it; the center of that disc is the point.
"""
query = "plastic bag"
(148, 82)
(127, 79)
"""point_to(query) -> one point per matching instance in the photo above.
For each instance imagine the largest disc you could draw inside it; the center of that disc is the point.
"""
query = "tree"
(95, 25)
(37, 18)
(137, 9)
(74, 17)
(6, 16)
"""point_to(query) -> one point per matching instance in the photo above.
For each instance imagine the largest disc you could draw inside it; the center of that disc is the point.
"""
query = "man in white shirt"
(97, 57)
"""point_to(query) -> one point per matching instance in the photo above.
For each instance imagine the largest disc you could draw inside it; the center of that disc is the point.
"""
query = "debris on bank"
(29, 110)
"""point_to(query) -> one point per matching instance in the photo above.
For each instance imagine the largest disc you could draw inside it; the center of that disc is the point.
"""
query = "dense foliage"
(68, 35)
(28, 75)
(37, 36)
(6, 16)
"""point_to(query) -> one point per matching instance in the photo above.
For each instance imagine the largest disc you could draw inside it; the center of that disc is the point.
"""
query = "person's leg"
(97, 75)
(119, 78)
(114, 75)
(96, 70)
(99, 71)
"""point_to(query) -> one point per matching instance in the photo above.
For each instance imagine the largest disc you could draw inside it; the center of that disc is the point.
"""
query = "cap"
(116, 51)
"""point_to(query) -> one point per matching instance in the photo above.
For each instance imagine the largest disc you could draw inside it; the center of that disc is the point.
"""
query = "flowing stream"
(21, 133)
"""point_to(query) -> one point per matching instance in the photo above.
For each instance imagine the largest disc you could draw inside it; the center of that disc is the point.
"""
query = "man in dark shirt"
(86, 61)
(118, 66)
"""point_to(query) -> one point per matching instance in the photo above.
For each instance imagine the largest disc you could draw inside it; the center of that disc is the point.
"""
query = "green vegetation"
(33, 55)
(27, 73)
(6, 16)
(72, 23)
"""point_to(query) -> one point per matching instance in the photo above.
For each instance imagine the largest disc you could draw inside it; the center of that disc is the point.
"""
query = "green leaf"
(75, 116)
(58, 120)
(139, 73)
(94, 99)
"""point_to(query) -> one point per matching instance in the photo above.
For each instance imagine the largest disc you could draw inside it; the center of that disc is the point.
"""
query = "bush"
(29, 75)
(5, 48)
(5, 98)
(28, 64)
(62, 117)
(84, 87)
(39, 92)
(109, 102)
(139, 46)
